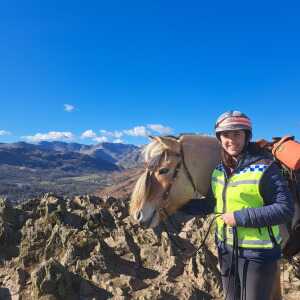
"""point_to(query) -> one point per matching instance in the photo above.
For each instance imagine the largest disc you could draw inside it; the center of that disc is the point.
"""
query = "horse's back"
(199, 139)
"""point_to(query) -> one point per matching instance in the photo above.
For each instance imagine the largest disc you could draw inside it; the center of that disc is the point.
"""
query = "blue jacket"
(278, 208)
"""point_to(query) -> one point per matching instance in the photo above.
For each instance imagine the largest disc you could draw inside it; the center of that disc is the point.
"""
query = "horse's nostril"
(139, 216)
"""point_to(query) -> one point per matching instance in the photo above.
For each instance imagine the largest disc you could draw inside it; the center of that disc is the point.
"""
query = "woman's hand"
(229, 219)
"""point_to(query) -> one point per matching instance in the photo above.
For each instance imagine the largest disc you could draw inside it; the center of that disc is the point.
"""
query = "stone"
(52, 278)
(22, 276)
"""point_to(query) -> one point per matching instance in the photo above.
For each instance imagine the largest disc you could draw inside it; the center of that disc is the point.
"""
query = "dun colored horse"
(177, 170)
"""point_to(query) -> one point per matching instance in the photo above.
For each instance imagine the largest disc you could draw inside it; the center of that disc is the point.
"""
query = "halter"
(165, 197)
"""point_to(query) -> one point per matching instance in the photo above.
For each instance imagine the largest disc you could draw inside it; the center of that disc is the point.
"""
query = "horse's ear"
(169, 143)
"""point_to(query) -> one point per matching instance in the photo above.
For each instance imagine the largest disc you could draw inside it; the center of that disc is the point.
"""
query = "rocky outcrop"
(87, 248)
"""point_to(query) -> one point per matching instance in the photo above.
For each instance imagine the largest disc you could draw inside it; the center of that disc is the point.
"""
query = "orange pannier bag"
(287, 151)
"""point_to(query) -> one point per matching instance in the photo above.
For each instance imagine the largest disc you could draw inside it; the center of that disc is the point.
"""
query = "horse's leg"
(276, 293)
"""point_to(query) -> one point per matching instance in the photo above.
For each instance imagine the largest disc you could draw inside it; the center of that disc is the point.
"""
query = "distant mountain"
(49, 155)
(124, 155)
(27, 170)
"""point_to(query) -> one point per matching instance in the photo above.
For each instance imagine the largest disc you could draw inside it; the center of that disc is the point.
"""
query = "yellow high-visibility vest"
(239, 191)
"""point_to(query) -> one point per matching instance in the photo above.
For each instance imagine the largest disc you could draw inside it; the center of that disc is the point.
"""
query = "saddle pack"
(286, 151)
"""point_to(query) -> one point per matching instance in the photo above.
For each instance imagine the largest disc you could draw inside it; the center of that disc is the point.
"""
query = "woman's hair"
(228, 160)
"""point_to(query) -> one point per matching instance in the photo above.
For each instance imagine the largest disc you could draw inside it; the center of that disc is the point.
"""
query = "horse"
(177, 170)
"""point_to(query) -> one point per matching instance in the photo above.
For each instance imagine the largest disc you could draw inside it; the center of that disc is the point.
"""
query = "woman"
(251, 198)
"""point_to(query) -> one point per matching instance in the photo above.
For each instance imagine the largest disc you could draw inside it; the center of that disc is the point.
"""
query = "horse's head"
(167, 183)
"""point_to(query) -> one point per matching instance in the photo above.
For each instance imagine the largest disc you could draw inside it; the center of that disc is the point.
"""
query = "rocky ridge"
(88, 248)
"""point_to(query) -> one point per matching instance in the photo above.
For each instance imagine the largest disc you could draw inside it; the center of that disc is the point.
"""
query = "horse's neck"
(201, 157)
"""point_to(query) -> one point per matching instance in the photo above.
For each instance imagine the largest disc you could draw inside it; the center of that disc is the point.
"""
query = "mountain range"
(28, 169)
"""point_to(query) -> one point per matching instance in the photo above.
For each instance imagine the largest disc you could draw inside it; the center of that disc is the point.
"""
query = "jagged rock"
(137, 284)
(110, 200)
(31, 209)
(7, 213)
(74, 219)
(34, 240)
(9, 223)
(6, 234)
(84, 242)
(89, 249)
(78, 202)
(52, 203)
(9, 230)
(106, 219)
(51, 278)
(54, 243)
(22, 276)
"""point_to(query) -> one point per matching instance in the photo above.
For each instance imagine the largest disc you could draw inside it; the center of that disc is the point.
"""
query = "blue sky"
(132, 68)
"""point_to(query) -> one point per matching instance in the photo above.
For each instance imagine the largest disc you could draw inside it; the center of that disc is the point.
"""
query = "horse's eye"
(163, 171)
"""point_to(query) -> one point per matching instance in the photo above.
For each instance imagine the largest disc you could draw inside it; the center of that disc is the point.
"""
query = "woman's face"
(233, 142)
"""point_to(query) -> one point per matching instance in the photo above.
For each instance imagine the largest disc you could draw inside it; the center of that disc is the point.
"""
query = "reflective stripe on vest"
(239, 192)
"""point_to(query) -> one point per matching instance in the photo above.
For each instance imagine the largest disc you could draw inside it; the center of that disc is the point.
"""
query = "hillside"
(29, 170)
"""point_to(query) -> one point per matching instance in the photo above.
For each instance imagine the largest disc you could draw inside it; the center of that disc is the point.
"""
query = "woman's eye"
(163, 171)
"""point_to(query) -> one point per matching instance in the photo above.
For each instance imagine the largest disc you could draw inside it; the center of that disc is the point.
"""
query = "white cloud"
(4, 132)
(137, 131)
(50, 136)
(118, 134)
(115, 134)
(88, 134)
(100, 139)
(69, 107)
(118, 141)
(160, 128)
(104, 137)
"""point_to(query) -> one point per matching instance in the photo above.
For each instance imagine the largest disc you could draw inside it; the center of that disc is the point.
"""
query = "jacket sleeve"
(278, 208)
(202, 207)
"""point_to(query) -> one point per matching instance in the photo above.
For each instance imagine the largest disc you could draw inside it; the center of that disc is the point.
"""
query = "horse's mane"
(152, 153)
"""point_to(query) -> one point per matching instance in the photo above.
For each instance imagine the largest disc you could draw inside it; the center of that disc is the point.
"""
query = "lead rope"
(245, 271)
(235, 246)
(217, 215)
(283, 267)
(234, 263)
(234, 256)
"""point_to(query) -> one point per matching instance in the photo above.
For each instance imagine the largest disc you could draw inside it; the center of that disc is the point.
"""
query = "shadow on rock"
(88, 290)
(9, 231)
(73, 220)
(121, 266)
(200, 295)
(52, 278)
(167, 296)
